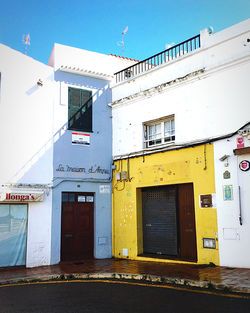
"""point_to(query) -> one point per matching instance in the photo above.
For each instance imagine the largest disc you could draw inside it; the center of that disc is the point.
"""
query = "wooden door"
(77, 228)
(187, 231)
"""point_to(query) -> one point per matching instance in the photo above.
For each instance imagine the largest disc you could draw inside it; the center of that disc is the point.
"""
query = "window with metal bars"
(80, 110)
(159, 132)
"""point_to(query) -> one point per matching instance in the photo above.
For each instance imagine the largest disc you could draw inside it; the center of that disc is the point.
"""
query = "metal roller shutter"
(159, 220)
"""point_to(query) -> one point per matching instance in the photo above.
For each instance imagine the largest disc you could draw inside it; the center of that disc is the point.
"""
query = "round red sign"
(244, 165)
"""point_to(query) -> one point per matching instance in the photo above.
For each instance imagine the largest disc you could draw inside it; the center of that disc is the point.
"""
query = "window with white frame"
(159, 132)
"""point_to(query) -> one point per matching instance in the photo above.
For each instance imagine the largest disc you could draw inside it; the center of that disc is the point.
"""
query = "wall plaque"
(240, 142)
(228, 192)
(226, 175)
(244, 165)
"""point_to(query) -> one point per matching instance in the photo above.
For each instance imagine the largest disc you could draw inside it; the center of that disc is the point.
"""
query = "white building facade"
(172, 114)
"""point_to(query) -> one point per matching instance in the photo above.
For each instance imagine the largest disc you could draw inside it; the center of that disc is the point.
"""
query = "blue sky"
(97, 25)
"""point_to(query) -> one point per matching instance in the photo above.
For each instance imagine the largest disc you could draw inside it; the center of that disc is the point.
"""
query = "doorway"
(77, 227)
(168, 219)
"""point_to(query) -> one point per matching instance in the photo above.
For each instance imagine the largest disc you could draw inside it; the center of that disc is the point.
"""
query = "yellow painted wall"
(191, 165)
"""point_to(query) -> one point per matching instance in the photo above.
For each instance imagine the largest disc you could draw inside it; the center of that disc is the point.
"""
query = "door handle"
(148, 225)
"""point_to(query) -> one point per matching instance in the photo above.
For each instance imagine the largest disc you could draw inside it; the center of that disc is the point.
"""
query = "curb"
(137, 277)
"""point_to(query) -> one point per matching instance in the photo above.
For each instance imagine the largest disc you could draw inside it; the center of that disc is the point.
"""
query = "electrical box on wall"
(121, 175)
(124, 175)
(118, 176)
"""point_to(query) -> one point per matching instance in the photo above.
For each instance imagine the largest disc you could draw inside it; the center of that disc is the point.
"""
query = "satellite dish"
(210, 30)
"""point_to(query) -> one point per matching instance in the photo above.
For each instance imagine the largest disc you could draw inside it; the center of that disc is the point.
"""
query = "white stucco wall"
(205, 104)
(87, 60)
(233, 237)
(26, 128)
(39, 232)
(26, 117)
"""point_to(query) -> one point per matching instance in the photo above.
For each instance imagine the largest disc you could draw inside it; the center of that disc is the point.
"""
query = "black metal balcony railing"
(159, 59)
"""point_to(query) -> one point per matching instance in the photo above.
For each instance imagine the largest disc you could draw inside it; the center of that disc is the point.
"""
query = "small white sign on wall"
(81, 139)
(104, 188)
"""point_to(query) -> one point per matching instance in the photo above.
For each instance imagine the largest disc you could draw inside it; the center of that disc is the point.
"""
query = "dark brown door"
(77, 228)
(187, 232)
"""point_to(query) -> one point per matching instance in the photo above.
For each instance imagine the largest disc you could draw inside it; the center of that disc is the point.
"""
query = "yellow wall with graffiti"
(190, 165)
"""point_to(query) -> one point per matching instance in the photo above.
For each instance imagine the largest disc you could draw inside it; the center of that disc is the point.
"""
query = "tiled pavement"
(234, 279)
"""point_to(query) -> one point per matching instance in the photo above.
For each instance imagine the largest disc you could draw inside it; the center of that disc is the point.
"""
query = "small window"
(68, 197)
(71, 197)
(159, 132)
(80, 110)
(64, 197)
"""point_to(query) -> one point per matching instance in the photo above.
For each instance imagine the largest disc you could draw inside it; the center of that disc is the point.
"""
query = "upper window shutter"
(75, 97)
(85, 98)
(80, 109)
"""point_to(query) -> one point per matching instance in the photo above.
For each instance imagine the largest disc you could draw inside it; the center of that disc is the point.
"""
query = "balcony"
(158, 59)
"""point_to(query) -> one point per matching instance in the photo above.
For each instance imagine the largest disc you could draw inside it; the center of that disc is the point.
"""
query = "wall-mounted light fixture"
(224, 158)
(39, 82)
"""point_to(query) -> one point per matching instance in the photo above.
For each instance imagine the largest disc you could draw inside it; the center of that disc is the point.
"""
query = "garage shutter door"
(159, 220)
(13, 225)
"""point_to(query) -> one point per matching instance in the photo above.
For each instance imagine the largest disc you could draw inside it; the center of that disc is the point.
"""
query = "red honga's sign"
(21, 196)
